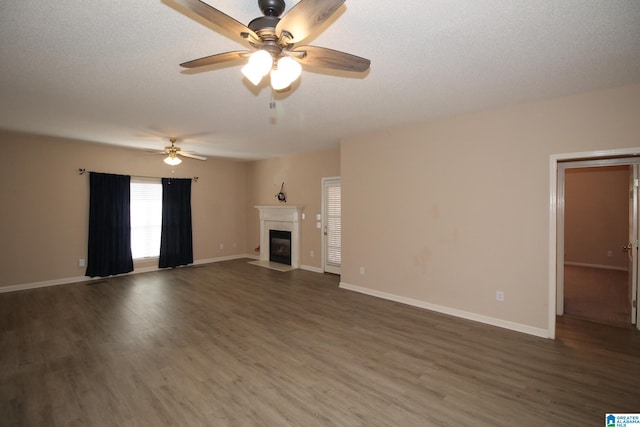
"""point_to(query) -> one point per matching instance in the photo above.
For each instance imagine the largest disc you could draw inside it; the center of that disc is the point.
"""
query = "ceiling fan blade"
(303, 18)
(329, 58)
(216, 59)
(191, 155)
(220, 19)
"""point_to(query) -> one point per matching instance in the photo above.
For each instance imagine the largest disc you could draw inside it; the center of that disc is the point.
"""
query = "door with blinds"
(331, 225)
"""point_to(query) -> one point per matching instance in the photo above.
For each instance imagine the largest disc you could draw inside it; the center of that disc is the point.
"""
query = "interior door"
(331, 225)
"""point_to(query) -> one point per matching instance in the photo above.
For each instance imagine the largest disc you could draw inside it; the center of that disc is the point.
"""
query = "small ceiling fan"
(173, 152)
(274, 41)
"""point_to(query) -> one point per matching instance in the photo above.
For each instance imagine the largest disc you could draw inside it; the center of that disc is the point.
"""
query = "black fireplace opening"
(280, 246)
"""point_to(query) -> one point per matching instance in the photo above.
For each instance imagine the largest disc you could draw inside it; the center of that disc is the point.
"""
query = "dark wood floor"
(236, 344)
(597, 294)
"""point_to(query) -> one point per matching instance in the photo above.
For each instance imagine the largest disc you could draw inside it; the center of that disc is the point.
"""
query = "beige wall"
(45, 203)
(596, 215)
(44, 212)
(451, 211)
(446, 212)
(302, 175)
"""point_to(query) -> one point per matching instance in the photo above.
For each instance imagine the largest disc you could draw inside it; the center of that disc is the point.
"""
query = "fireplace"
(280, 246)
(280, 218)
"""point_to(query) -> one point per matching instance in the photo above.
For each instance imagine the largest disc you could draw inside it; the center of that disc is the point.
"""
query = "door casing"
(558, 164)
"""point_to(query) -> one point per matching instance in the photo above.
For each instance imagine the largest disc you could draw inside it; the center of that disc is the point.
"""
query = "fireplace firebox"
(280, 246)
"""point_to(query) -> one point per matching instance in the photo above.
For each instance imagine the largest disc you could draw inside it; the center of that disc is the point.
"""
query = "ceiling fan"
(274, 41)
(173, 152)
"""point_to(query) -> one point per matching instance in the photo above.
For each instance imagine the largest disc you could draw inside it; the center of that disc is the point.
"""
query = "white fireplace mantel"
(285, 218)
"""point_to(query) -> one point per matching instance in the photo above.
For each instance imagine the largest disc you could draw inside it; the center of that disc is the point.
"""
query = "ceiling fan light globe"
(279, 80)
(261, 61)
(250, 73)
(172, 160)
(291, 68)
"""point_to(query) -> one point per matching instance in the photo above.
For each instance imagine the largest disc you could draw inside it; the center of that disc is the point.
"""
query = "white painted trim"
(77, 279)
(556, 248)
(601, 266)
(518, 327)
(311, 268)
(218, 259)
(35, 285)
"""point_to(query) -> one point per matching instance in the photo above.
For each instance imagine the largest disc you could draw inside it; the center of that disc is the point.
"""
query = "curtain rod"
(82, 171)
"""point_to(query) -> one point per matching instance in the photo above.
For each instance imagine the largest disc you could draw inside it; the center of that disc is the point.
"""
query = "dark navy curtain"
(109, 250)
(176, 241)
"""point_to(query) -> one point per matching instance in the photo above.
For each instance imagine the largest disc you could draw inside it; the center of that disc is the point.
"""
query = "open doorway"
(593, 258)
(596, 230)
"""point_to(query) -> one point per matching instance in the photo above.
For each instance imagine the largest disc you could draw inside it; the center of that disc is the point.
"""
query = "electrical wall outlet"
(499, 296)
(609, 253)
(311, 254)
(362, 270)
(221, 246)
(81, 262)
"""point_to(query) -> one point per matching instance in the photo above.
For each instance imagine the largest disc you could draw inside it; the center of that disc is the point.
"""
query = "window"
(146, 218)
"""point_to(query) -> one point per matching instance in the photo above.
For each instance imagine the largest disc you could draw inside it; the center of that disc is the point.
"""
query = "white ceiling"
(107, 70)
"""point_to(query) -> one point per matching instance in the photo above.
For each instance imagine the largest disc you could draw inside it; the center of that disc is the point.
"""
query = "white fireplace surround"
(285, 218)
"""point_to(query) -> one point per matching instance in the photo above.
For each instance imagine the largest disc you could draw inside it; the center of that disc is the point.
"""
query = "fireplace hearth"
(280, 246)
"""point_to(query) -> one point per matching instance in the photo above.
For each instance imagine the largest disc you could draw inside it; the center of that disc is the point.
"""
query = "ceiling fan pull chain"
(272, 102)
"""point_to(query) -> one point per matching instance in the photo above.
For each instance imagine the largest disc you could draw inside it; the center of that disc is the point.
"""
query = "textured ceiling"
(107, 71)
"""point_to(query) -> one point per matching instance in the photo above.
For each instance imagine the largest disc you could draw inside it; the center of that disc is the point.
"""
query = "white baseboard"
(35, 285)
(605, 267)
(311, 268)
(68, 280)
(222, 258)
(539, 332)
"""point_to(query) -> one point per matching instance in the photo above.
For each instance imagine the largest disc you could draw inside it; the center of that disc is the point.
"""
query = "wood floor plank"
(233, 344)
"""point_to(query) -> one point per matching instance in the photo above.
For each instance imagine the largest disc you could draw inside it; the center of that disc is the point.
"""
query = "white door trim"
(633, 265)
(554, 248)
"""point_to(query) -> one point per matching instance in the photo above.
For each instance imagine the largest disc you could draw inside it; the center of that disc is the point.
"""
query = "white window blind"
(146, 218)
(334, 226)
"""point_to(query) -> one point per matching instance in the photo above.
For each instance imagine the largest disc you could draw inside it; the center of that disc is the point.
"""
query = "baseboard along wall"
(518, 327)
(602, 266)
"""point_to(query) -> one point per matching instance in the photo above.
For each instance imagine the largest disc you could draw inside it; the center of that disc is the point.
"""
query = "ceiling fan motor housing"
(265, 26)
(264, 22)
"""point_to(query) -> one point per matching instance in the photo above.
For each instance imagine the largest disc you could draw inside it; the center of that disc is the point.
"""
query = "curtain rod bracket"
(81, 171)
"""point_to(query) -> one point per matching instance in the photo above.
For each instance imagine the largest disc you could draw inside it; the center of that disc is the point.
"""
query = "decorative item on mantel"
(281, 196)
